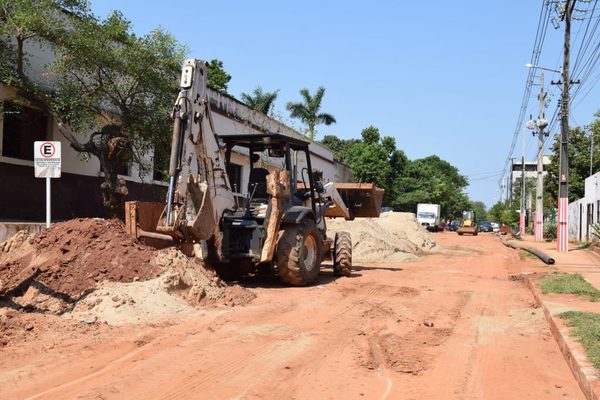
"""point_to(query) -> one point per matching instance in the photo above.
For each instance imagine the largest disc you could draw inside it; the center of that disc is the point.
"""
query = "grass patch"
(524, 254)
(586, 328)
(571, 284)
(584, 245)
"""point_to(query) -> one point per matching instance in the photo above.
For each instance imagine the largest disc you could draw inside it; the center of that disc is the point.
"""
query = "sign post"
(47, 163)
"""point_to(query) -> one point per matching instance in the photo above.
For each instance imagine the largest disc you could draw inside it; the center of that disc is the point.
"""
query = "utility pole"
(512, 174)
(522, 214)
(591, 152)
(563, 191)
(541, 123)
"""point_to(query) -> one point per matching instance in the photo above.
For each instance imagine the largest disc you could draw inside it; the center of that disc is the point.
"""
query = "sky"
(443, 78)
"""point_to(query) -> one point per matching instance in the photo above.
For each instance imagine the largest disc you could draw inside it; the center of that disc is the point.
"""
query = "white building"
(77, 193)
(516, 174)
(585, 211)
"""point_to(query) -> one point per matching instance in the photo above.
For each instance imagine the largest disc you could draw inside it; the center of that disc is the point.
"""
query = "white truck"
(428, 215)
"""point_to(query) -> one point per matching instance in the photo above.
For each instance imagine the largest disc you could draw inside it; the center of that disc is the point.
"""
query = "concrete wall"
(7, 230)
(73, 195)
(585, 211)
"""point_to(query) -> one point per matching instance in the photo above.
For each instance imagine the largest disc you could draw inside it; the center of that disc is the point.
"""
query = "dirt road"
(450, 326)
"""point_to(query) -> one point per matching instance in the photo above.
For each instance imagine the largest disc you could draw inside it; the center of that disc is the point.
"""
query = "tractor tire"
(342, 254)
(298, 254)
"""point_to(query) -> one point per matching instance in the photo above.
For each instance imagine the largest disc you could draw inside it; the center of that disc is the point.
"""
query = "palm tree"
(308, 111)
(259, 100)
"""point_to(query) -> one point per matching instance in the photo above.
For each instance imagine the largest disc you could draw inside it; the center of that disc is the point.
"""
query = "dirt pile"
(92, 265)
(393, 237)
(183, 284)
(67, 261)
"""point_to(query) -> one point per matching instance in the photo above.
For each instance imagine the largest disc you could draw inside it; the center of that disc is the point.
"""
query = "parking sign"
(46, 159)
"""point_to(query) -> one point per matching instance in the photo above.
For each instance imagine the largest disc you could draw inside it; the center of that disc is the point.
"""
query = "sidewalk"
(586, 263)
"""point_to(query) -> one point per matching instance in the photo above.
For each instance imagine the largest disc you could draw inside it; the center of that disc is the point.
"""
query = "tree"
(218, 79)
(432, 180)
(579, 161)
(340, 147)
(122, 88)
(107, 81)
(309, 111)
(503, 214)
(260, 101)
(479, 208)
(24, 20)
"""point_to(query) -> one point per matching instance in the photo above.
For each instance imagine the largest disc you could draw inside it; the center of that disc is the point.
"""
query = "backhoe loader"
(277, 224)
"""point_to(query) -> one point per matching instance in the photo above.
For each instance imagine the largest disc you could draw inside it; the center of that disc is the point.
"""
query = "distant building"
(516, 175)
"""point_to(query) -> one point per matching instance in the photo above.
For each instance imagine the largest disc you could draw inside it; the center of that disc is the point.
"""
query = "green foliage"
(218, 79)
(586, 328)
(370, 135)
(596, 230)
(501, 213)
(340, 147)
(260, 101)
(376, 159)
(479, 208)
(106, 81)
(308, 111)
(24, 21)
(550, 231)
(579, 161)
(569, 284)
(432, 180)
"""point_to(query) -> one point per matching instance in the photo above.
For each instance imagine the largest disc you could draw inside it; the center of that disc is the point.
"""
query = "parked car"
(496, 226)
(453, 225)
(486, 226)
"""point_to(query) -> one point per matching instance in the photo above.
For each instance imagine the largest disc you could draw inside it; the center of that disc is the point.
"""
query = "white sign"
(46, 159)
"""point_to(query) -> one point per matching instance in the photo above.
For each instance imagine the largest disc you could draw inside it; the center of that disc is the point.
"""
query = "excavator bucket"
(363, 200)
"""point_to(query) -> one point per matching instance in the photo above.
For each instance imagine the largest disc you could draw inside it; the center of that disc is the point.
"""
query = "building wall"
(77, 192)
(73, 195)
(585, 211)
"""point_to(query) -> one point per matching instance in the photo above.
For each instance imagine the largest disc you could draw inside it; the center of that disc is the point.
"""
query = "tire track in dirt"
(252, 356)
(69, 388)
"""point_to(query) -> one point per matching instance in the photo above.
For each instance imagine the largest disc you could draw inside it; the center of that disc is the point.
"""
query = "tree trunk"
(20, 55)
(114, 189)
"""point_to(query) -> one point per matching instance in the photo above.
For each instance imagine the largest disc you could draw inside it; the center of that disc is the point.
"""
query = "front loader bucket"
(362, 199)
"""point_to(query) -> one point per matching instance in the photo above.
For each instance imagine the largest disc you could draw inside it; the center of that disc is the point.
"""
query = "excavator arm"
(199, 191)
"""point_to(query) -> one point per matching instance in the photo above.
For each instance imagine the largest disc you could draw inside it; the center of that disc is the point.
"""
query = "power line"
(542, 28)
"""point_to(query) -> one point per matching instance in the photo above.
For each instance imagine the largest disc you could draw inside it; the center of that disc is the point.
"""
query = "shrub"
(550, 231)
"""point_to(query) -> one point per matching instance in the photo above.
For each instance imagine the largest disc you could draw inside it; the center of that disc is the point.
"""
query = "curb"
(584, 375)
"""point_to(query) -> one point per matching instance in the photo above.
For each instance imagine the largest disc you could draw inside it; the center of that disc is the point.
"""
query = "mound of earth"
(68, 259)
(393, 237)
(94, 262)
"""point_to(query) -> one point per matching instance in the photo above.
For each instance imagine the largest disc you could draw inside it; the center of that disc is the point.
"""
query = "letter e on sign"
(46, 159)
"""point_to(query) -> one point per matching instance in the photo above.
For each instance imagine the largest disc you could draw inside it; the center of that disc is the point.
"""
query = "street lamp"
(558, 71)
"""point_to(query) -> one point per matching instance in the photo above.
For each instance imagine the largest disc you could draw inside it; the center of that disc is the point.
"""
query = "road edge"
(583, 378)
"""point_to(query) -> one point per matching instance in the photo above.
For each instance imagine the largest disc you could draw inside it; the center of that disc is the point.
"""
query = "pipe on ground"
(536, 252)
